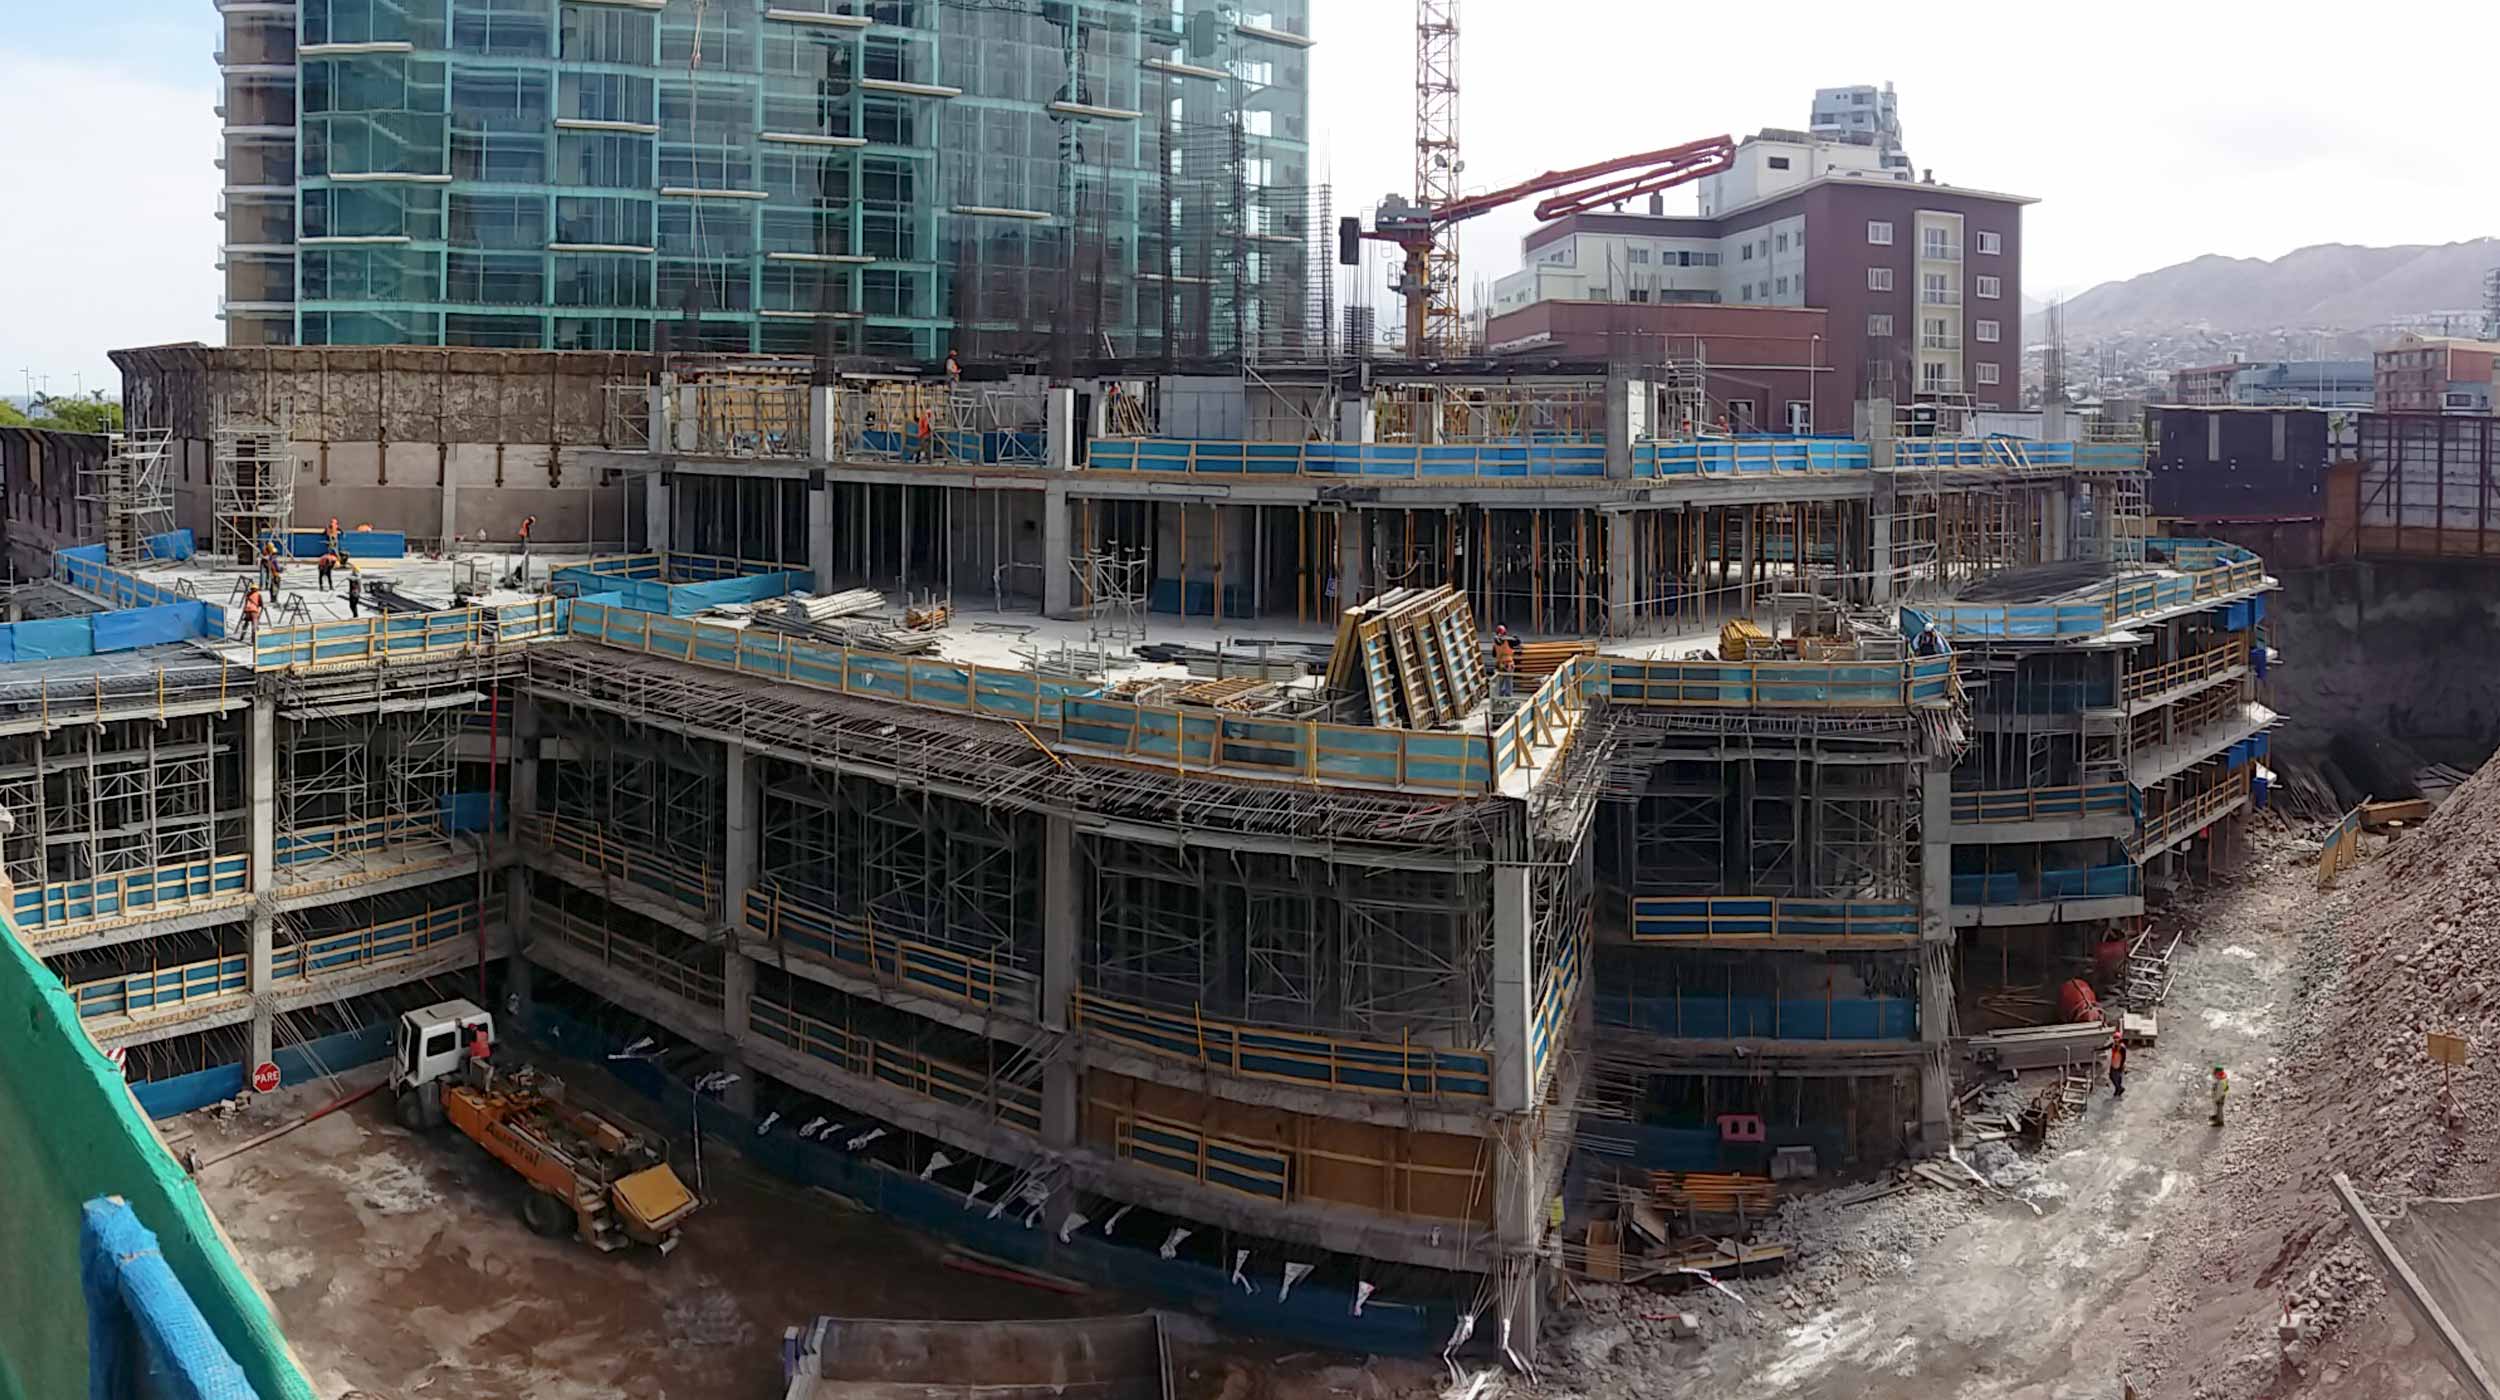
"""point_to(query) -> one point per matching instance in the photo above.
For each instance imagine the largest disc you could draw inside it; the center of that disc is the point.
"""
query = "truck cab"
(433, 1044)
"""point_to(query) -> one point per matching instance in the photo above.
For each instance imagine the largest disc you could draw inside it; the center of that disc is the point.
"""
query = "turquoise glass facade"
(892, 178)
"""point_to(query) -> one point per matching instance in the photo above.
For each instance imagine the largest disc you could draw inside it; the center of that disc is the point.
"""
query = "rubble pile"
(2409, 944)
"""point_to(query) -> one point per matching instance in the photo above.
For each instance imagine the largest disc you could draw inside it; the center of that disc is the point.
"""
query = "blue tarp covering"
(91, 552)
(145, 1337)
(1657, 1147)
(355, 544)
(131, 628)
(173, 544)
(1317, 1315)
(53, 638)
(468, 811)
(167, 1098)
(1705, 1016)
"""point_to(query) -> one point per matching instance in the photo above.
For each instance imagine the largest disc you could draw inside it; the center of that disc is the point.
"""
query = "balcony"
(2080, 811)
(1939, 296)
(1932, 341)
(2079, 894)
(1937, 250)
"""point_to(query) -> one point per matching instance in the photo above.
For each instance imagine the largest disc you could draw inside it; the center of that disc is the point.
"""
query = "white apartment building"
(1775, 162)
(1862, 111)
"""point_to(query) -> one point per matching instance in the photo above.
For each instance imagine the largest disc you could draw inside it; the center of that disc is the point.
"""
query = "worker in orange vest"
(2118, 1062)
(1505, 661)
(528, 523)
(333, 540)
(927, 428)
(251, 613)
(329, 562)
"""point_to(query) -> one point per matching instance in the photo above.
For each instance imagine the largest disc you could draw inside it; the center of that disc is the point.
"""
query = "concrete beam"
(1063, 902)
(739, 794)
(2048, 911)
(2108, 825)
(820, 547)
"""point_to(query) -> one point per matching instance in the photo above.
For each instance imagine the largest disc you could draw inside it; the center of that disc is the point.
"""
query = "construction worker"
(333, 540)
(355, 592)
(2222, 1092)
(329, 563)
(251, 613)
(275, 571)
(954, 367)
(2118, 1062)
(927, 428)
(269, 564)
(528, 523)
(1505, 661)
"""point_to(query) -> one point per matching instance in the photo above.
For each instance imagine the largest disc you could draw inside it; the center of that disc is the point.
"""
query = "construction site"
(1136, 856)
(1218, 856)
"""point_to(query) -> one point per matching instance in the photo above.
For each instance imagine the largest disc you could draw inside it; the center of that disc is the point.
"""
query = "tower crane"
(1418, 230)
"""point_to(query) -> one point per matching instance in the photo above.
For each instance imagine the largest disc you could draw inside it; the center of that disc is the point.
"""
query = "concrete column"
(820, 443)
(683, 419)
(260, 781)
(737, 979)
(2061, 513)
(1519, 1220)
(820, 556)
(738, 840)
(527, 736)
(1619, 587)
(1350, 588)
(1058, 550)
(1063, 899)
(1879, 552)
(449, 525)
(655, 511)
(1059, 428)
(1627, 419)
(1356, 421)
(656, 414)
(1514, 992)
(1935, 959)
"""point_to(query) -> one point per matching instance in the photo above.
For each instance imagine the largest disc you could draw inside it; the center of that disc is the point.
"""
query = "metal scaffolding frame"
(905, 862)
(106, 799)
(652, 789)
(132, 493)
(251, 481)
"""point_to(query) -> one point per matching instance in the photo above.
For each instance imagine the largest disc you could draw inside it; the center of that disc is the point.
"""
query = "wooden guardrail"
(2045, 803)
(692, 884)
(1311, 1058)
(811, 929)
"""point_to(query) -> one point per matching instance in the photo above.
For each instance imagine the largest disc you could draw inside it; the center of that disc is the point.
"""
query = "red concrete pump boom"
(1572, 191)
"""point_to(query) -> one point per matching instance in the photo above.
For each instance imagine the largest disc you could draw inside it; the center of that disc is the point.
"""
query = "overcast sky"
(2150, 134)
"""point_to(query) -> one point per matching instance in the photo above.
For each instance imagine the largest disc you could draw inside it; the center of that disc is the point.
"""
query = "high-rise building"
(1863, 110)
(891, 177)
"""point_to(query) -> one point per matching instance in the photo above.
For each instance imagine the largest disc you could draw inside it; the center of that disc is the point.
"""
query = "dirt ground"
(399, 1264)
(2121, 1279)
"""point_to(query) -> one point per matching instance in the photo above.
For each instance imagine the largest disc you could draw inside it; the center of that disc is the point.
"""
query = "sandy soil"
(399, 1264)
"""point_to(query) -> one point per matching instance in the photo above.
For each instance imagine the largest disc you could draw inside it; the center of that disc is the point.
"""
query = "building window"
(1935, 289)
(1782, 240)
(1879, 232)
(1984, 373)
(1745, 253)
(1879, 279)
(1745, 292)
(1640, 294)
(1878, 325)
(1987, 332)
(1931, 376)
(1987, 288)
(1989, 243)
(1783, 287)
(1779, 162)
(1638, 255)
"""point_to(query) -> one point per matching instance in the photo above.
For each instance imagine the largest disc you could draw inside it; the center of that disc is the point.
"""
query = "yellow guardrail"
(2187, 670)
(685, 882)
(814, 931)
(866, 1057)
(1313, 1059)
(685, 981)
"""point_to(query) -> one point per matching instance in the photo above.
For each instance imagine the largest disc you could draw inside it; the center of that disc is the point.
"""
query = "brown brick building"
(1920, 285)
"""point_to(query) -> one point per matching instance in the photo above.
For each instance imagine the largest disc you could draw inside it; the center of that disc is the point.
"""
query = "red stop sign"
(265, 1077)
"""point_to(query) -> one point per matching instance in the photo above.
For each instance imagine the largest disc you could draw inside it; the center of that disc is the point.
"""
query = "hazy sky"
(2149, 133)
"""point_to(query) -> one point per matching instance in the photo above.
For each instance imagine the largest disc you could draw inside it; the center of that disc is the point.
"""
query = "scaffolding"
(1112, 593)
(92, 800)
(131, 493)
(251, 481)
(1439, 413)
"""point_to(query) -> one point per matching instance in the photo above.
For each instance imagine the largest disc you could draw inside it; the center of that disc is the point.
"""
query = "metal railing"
(1314, 1059)
(2213, 661)
(693, 885)
(812, 930)
(2043, 803)
(1767, 919)
(882, 1062)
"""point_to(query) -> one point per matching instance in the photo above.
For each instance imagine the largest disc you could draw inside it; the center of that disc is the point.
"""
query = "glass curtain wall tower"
(892, 178)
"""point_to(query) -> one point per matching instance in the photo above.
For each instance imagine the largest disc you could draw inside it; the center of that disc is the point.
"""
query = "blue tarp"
(1704, 1016)
(173, 544)
(53, 638)
(355, 544)
(468, 811)
(1414, 1325)
(130, 628)
(145, 1336)
(167, 1098)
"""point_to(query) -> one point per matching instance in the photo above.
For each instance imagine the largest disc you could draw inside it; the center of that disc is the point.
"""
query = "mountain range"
(2331, 286)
